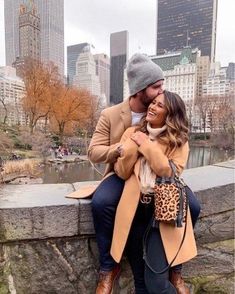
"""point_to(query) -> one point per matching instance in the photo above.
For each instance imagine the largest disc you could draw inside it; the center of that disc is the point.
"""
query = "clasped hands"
(139, 137)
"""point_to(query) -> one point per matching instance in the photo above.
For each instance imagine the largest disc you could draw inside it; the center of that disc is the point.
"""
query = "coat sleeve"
(100, 149)
(159, 162)
(124, 165)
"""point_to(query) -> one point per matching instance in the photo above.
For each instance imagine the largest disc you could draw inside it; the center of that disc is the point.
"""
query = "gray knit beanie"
(142, 72)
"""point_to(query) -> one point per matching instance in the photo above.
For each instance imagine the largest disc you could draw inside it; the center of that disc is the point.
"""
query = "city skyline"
(139, 21)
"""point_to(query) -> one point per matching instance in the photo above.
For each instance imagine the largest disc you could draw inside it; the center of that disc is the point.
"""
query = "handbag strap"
(170, 179)
(173, 167)
(153, 221)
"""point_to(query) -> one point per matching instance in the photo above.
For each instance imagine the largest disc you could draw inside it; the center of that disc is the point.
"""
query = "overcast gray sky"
(92, 21)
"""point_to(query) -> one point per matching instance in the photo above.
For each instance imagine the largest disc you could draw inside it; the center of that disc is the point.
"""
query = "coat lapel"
(126, 114)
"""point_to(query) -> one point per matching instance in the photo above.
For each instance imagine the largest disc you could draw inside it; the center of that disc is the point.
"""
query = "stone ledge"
(38, 195)
(42, 211)
(210, 176)
(37, 211)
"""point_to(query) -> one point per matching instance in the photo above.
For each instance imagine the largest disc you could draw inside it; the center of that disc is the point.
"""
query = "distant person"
(1, 164)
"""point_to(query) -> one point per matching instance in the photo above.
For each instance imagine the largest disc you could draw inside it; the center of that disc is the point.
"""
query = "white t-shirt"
(136, 117)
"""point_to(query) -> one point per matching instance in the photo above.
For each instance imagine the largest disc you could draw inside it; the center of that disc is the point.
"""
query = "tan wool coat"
(109, 130)
(127, 167)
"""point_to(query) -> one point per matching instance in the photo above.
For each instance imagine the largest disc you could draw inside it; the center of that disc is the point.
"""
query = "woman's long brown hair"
(176, 133)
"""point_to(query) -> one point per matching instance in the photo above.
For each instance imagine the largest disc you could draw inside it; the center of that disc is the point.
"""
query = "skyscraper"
(73, 52)
(51, 13)
(118, 56)
(103, 71)
(86, 76)
(29, 32)
(181, 23)
(230, 72)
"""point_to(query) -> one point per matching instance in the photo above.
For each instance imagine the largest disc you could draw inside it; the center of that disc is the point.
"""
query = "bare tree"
(201, 103)
(6, 143)
(4, 107)
(96, 108)
(38, 141)
(212, 106)
(226, 113)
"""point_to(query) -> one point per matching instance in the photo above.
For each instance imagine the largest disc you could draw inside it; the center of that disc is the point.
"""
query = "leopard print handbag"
(170, 199)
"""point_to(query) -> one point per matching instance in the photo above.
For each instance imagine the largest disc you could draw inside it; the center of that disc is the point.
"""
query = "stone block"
(86, 226)
(38, 223)
(212, 258)
(216, 200)
(215, 227)
(37, 212)
(219, 285)
(62, 265)
(50, 266)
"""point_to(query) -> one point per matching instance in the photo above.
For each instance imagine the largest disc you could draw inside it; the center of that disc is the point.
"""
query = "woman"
(145, 153)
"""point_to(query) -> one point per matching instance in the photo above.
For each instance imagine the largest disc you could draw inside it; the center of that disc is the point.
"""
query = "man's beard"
(145, 100)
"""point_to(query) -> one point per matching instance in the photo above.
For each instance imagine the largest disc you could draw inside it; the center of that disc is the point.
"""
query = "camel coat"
(127, 167)
(109, 130)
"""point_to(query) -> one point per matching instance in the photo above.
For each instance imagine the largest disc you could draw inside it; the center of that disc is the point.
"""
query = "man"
(145, 79)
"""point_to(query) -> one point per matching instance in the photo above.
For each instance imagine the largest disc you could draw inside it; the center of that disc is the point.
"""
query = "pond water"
(83, 171)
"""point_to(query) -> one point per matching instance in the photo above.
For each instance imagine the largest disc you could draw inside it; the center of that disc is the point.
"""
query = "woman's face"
(157, 112)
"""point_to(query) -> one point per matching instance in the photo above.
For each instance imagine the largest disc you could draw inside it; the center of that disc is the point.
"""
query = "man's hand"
(139, 137)
(120, 150)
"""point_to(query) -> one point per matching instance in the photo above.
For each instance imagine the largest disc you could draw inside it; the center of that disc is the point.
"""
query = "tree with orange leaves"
(40, 81)
(70, 107)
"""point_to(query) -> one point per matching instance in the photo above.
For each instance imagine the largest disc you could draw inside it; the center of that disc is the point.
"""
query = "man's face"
(148, 94)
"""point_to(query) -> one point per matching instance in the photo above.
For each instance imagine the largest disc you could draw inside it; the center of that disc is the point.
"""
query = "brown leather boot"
(178, 282)
(107, 280)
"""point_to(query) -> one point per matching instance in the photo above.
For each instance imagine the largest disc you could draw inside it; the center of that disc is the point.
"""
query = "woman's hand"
(139, 137)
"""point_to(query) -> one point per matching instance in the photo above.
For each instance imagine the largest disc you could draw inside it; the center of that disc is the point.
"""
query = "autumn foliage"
(49, 103)
(39, 82)
(69, 109)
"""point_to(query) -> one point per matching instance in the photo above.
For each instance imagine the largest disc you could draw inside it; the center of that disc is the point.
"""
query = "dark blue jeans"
(104, 204)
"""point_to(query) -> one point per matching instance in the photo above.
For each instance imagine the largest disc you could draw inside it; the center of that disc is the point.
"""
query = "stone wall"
(47, 242)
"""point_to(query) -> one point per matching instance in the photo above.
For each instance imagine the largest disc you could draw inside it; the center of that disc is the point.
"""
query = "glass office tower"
(187, 23)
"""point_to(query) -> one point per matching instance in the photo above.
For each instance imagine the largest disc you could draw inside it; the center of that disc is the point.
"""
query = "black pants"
(134, 247)
(134, 251)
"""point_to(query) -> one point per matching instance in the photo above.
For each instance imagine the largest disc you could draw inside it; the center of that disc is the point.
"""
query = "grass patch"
(29, 167)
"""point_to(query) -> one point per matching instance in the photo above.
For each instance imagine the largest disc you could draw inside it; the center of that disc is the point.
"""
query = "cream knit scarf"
(147, 176)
